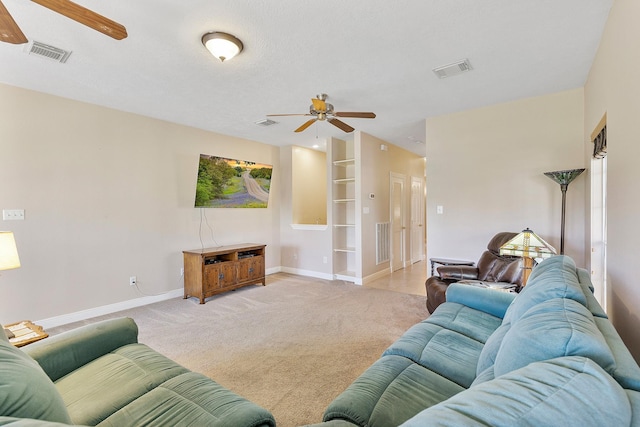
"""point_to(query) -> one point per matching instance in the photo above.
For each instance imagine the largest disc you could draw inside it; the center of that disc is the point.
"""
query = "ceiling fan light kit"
(223, 46)
(323, 111)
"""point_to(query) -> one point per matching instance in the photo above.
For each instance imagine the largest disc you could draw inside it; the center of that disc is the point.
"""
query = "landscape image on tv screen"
(231, 183)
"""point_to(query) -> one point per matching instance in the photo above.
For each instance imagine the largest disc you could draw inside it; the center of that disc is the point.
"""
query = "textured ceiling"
(368, 55)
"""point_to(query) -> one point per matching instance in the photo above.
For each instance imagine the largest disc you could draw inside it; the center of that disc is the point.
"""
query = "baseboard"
(108, 309)
(377, 275)
(79, 316)
(307, 273)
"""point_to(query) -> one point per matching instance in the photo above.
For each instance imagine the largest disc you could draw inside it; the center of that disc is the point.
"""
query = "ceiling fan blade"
(277, 115)
(305, 125)
(86, 17)
(342, 125)
(319, 104)
(355, 115)
(9, 30)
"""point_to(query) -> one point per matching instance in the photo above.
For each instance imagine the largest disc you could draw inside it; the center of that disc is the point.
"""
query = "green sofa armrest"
(61, 354)
(28, 422)
(487, 300)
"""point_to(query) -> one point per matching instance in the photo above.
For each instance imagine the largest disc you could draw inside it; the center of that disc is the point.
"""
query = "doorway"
(599, 229)
(417, 220)
(397, 222)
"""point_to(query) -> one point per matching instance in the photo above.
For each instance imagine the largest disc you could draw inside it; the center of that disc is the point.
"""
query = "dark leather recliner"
(491, 267)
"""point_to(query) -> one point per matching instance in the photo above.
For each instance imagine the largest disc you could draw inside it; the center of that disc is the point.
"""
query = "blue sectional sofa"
(100, 375)
(546, 357)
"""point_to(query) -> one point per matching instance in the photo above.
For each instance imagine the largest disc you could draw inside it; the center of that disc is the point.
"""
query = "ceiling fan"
(321, 110)
(11, 33)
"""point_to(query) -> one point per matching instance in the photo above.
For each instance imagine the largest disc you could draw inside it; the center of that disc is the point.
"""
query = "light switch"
(12, 214)
(439, 209)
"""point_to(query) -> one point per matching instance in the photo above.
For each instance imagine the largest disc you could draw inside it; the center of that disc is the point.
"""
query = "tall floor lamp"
(564, 178)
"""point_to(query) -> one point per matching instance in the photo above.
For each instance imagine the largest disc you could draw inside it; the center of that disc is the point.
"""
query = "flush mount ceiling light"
(222, 45)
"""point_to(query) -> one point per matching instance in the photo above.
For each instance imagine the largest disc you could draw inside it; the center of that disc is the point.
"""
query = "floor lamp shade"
(564, 178)
(8, 251)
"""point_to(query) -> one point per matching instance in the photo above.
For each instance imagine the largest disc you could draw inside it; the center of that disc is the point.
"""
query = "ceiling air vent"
(49, 52)
(453, 69)
(266, 122)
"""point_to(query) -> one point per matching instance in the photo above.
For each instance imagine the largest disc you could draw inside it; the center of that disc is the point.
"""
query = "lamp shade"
(527, 244)
(222, 45)
(8, 251)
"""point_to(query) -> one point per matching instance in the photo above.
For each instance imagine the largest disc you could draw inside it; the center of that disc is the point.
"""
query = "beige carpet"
(291, 346)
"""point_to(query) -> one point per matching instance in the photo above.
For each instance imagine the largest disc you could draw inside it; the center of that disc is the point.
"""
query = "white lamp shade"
(8, 251)
(222, 45)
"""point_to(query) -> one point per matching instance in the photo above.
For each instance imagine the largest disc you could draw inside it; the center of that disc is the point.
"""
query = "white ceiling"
(368, 55)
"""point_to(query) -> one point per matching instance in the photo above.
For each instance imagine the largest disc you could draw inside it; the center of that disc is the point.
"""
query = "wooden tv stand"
(211, 271)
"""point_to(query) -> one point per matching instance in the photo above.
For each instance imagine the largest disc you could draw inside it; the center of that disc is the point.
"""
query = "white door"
(397, 221)
(417, 220)
(599, 229)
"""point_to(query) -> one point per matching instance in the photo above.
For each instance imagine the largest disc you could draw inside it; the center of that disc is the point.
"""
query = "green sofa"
(546, 357)
(100, 375)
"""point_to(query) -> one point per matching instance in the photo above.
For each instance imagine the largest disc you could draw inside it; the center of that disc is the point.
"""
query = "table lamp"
(8, 256)
(563, 178)
(527, 245)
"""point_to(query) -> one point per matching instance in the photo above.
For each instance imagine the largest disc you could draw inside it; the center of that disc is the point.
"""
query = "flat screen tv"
(231, 183)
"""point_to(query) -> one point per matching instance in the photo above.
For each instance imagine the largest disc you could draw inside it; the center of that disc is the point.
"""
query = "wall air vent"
(48, 51)
(266, 122)
(454, 69)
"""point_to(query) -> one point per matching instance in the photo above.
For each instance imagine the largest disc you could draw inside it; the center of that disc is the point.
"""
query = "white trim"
(310, 227)
(107, 309)
(377, 275)
(308, 273)
(79, 316)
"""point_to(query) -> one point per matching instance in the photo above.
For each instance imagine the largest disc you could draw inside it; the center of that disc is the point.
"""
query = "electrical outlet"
(133, 281)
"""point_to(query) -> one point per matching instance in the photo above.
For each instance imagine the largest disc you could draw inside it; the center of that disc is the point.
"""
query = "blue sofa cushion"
(25, 390)
(490, 350)
(465, 320)
(549, 393)
(555, 277)
(555, 328)
(389, 392)
(445, 352)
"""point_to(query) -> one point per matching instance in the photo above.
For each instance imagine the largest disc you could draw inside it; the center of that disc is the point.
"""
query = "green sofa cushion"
(109, 383)
(25, 390)
(389, 392)
(555, 328)
(190, 399)
(554, 277)
(558, 392)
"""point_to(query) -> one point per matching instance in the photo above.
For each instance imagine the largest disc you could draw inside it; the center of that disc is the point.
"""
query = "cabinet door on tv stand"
(227, 275)
(251, 269)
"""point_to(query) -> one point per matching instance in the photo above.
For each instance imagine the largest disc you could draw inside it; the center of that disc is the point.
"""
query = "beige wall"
(309, 186)
(613, 88)
(304, 249)
(377, 165)
(485, 168)
(109, 195)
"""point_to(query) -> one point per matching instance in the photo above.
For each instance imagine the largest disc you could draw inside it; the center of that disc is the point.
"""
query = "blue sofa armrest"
(61, 354)
(489, 301)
